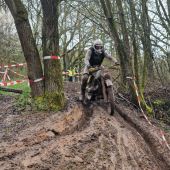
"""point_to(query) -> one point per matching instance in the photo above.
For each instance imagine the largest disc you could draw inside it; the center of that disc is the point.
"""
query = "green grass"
(22, 100)
(23, 86)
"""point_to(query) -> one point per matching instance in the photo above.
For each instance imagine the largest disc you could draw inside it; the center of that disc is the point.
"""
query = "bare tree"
(124, 54)
(147, 47)
(54, 93)
(31, 54)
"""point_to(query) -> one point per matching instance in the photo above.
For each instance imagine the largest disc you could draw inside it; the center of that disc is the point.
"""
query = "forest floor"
(80, 138)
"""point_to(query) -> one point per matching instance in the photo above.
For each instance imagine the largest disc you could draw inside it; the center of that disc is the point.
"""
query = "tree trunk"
(134, 42)
(148, 70)
(54, 93)
(168, 60)
(31, 54)
(65, 56)
(168, 53)
(108, 13)
(124, 55)
(124, 30)
(168, 4)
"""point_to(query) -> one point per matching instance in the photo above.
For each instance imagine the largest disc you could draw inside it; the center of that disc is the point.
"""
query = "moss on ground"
(51, 101)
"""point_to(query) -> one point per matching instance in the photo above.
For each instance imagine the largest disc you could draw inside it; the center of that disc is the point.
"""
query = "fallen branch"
(11, 90)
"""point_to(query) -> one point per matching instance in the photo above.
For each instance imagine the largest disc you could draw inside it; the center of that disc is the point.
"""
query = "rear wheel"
(111, 99)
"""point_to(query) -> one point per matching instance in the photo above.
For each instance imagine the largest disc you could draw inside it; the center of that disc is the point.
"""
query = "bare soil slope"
(74, 139)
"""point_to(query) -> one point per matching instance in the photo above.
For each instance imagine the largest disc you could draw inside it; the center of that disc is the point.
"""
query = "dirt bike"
(99, 87)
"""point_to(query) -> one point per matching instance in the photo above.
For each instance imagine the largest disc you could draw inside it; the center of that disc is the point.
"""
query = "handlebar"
(94, 69)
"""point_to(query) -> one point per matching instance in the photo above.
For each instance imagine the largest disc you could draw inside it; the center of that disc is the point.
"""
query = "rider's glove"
(88, 65)
(117, 63)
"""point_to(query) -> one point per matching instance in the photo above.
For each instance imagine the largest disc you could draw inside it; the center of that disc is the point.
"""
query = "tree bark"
(148, 70)
(134, 42)
(123, 52)
(168, 53)
(168, 60)
(31, 54)
(118, 43)
(124, 29)
(125, 58)
(54, 93)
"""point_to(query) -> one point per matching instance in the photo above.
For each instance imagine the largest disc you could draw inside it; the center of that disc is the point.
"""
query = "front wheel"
(111, 99)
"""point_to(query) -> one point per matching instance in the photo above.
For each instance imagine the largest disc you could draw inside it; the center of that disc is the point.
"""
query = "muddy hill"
(79, 138)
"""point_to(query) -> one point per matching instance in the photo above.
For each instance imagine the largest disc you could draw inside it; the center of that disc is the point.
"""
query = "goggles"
(98, 47)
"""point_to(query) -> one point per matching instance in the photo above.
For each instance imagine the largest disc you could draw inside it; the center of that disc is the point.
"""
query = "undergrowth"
(22, 100)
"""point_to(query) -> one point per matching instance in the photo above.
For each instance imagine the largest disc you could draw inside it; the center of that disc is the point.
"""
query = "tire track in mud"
(97, 141)
(150, 134)
(134, 149)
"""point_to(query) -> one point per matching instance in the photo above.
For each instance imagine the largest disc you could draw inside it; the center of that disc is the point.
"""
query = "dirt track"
(77, 139)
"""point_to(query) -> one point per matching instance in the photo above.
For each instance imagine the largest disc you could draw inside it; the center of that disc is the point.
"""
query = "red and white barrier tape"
(4, 84)
(17, 73)
(52, 57)
(13, 65)
(20, 81)
(2, 72)
(163, 139)
(36, 80)
(5, 75)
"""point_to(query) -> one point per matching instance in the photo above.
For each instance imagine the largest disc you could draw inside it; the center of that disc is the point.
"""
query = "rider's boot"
(82, 96)
(83, 87)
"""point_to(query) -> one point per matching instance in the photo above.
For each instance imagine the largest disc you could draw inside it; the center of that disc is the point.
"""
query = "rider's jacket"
(92, 59)
(95, 58)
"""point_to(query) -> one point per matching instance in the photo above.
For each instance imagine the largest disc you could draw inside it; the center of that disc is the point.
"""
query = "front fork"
(105, 83)
(104, 89)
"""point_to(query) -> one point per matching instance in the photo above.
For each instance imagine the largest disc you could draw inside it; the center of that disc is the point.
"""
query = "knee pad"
(107, 76)
(85, 77)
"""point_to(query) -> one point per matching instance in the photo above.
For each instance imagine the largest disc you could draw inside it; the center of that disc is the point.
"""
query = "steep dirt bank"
(75, 142)
(77, 138)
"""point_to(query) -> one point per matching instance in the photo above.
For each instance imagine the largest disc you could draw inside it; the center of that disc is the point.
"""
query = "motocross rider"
(94, 57)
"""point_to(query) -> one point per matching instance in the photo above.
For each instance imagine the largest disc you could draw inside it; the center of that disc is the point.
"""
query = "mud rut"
(79, 139)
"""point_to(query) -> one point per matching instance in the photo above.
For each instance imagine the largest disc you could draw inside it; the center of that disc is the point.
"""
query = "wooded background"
(136, 32)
